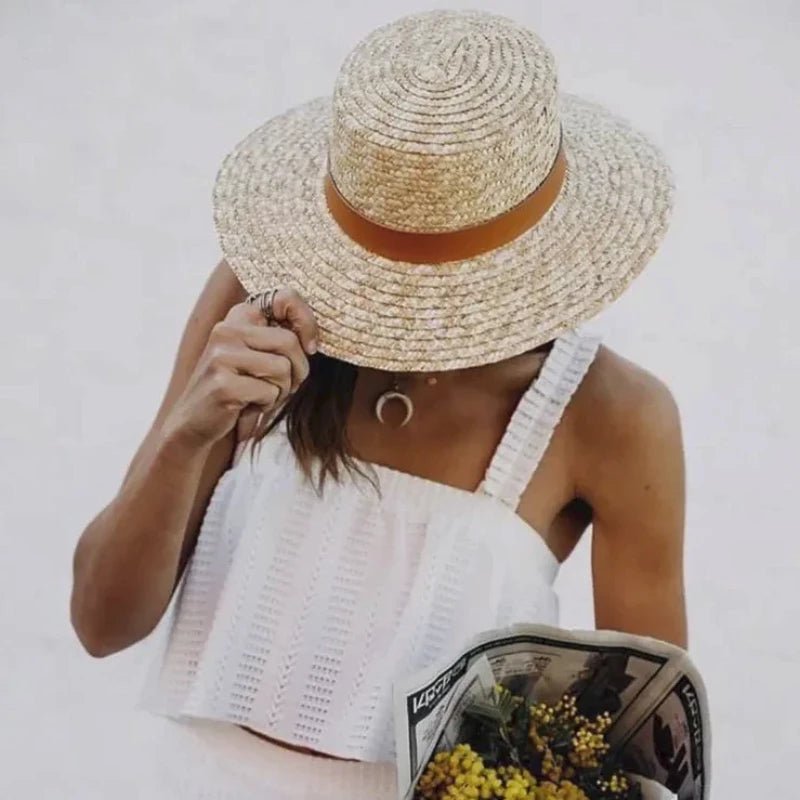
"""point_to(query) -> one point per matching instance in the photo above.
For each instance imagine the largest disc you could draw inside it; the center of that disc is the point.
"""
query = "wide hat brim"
(275, 229)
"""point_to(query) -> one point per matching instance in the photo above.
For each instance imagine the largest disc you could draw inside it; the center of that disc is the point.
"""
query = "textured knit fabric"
(296, 613)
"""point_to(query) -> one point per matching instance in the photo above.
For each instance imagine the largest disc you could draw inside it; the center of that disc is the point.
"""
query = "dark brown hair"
(316, 421)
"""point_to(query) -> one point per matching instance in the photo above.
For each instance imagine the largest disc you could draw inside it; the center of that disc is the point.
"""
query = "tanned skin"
(615, 461)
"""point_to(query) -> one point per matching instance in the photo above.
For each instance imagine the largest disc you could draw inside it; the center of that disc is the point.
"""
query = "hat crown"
(443, 120)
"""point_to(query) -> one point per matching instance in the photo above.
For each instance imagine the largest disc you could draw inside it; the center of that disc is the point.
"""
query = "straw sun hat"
(447, 206)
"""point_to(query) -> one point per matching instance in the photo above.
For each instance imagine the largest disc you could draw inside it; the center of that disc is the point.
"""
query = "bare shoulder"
(621, 402)
(627, 464)
(622, 415)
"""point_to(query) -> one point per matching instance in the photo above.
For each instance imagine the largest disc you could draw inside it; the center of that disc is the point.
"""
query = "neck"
(509, 375)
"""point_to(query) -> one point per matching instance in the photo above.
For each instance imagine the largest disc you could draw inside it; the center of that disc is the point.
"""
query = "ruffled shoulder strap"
(537, 415)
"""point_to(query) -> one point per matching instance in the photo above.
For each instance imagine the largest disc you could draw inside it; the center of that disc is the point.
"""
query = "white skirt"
(206, 759)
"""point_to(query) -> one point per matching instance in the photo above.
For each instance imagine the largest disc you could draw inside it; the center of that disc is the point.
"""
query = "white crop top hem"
(297, 613)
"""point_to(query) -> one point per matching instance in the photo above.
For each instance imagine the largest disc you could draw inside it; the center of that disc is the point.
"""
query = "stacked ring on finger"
(281, 395)
(265, 300)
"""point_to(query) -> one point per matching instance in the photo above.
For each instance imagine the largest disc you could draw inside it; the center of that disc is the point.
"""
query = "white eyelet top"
(296, 613)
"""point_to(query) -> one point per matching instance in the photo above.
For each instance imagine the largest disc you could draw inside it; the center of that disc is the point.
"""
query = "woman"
(393, 328)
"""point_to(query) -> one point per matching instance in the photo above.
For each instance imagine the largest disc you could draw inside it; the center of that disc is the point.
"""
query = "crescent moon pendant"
(393, 395)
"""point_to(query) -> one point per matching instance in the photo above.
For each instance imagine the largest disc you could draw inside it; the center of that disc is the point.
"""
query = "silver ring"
(265, 300)
(266, 306)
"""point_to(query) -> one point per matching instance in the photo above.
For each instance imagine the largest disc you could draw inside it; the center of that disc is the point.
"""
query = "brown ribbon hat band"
(439, 247)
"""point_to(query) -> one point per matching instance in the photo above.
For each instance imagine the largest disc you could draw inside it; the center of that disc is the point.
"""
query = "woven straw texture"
(440, 121)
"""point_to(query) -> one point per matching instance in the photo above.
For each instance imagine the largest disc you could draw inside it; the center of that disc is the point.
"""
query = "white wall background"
(114, 118)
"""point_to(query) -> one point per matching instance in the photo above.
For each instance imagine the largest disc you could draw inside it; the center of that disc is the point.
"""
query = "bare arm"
(129, 559)
(634, 480)
(156, 512)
